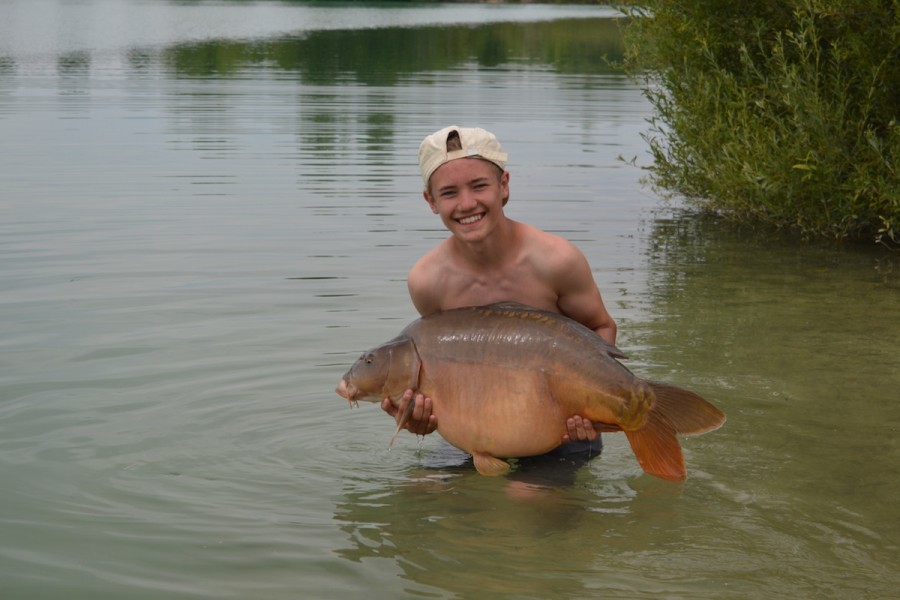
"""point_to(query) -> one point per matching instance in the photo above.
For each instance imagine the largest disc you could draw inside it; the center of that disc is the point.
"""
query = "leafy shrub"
(776, 111)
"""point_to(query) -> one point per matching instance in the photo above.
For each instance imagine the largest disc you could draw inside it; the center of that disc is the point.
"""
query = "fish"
(504, 377)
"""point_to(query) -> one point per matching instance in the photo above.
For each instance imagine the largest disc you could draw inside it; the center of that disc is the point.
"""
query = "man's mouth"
(471, 219)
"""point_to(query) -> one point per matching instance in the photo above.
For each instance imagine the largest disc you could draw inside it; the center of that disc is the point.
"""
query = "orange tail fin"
(676, 410)
(657, 449)
(688, 413)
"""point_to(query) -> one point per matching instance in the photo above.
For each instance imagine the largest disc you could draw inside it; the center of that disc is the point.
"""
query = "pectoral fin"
(490, 465)
(404, 419)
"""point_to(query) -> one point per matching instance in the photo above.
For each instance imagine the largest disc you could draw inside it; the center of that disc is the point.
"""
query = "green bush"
(775, 111)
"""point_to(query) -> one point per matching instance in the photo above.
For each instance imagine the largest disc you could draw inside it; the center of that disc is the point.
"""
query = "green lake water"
(207, 211)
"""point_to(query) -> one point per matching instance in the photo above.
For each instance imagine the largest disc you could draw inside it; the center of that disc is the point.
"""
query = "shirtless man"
(491, 258)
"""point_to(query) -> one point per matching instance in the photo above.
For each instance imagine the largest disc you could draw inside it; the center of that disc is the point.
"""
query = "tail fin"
(657, 449)
(676, 410)
(688, 413)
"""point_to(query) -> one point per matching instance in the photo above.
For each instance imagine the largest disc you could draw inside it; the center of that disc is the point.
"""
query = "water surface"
(208, 210)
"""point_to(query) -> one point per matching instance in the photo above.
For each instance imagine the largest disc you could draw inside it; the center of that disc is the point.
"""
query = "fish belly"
(496, 410)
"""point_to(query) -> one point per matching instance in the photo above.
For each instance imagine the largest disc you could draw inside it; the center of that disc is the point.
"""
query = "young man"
(490, 258)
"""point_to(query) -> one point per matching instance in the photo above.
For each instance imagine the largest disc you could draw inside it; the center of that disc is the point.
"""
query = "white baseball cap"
(475, 143)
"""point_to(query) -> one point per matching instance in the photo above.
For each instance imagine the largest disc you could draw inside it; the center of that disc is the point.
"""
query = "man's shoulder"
(426, 275)
(430, 262)
(549, 248)
(427, 280)
(543, 238)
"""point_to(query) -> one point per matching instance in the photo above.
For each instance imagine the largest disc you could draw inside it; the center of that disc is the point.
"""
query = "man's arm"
(578, 297)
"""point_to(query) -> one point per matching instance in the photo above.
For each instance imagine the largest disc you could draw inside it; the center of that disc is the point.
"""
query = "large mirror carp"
(505, 377)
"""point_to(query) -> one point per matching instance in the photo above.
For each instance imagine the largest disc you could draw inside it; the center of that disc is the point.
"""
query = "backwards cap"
(475, 142)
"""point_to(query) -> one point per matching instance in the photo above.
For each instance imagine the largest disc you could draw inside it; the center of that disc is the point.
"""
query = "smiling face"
(469, 195)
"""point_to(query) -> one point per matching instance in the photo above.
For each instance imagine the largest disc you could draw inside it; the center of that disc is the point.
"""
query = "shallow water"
(208, 210)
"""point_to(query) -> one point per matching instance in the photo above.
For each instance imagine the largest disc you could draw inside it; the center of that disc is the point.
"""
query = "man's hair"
(453, 141)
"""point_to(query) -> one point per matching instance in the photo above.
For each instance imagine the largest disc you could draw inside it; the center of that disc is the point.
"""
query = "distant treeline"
(776, 112)
(381, 56)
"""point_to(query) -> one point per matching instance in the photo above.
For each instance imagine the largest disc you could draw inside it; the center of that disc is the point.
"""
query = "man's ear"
(430, 201)
(504, 185)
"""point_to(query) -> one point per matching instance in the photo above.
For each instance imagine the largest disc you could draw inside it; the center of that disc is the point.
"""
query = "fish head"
(385, 371)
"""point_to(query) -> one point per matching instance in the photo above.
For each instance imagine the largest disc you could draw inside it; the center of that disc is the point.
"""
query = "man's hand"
(580, 430)
(421, 421)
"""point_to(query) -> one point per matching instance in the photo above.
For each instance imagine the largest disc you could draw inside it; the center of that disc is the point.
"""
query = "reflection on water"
(384, 56)
(811, 328)
(54, 27)
(796, 343)
(208, 210)
(453, 535)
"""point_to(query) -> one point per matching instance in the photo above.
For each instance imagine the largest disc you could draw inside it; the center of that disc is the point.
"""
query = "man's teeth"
(468, 220)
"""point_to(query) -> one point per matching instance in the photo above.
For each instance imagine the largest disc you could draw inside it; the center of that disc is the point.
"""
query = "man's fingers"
(423, 408)
(423, 421)
(589, 431)
(420, 419)
(388, 407)
(579, 430)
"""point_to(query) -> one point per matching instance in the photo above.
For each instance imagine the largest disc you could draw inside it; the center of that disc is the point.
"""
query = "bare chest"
(515, 285)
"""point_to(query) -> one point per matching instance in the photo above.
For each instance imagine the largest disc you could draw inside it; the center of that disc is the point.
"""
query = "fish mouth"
(348, 391)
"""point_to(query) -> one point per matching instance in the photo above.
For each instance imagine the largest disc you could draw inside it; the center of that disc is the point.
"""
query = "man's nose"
(467, 199)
